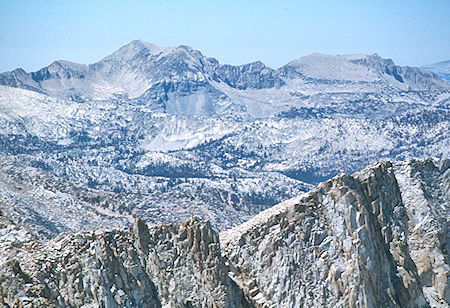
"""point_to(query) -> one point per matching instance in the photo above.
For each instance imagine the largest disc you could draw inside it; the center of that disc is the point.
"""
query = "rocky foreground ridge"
(377, 238)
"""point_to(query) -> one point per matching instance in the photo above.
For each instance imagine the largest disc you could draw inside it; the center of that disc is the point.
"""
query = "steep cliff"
(378, 238)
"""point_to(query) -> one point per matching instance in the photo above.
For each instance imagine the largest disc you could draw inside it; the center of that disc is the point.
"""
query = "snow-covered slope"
(126, 160)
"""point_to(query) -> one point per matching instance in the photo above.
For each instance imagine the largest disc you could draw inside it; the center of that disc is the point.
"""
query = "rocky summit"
(376, 238)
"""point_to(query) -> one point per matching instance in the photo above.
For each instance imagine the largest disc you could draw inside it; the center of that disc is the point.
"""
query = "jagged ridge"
(169, 265)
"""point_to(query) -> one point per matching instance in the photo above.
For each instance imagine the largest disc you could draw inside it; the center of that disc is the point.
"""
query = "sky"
(35, 33)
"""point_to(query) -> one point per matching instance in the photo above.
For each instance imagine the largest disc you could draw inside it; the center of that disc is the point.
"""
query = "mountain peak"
(129, 51)
(149, 52)
(185, 47)
(19, 71)
(361, 68)
(67, 65)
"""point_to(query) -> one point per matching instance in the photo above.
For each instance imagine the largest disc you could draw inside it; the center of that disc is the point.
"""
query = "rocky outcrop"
(254, 75)
(165, 266)
(377, 238)
(20, 79)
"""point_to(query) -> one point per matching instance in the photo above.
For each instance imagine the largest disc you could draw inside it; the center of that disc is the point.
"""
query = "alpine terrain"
(153, 178)
(164, 133)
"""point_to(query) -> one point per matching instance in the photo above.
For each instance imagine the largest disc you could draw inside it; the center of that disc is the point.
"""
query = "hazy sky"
(35, 33)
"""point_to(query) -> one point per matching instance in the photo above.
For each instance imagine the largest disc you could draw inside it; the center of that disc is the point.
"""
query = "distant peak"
(259, 63)
(20, 70)
(318, 54)
(139, 45)
(189, 50)
(156, 49)
(186, 47)
(143, 45)
(441, 63)
(135, 47)
(315, 57)
(131, 49)
(135, 42)
(55, 63)
(64, 64)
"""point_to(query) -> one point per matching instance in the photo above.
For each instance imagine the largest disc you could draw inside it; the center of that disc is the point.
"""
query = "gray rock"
(378, 238)
(165, 266)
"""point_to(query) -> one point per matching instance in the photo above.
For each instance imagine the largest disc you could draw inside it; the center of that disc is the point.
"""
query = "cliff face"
(377, 238)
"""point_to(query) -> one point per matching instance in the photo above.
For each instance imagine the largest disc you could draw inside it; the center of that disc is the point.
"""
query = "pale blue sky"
(35, 33)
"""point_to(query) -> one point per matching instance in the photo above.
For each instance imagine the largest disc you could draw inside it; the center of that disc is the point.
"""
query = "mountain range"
(181, 80)
(102, 167)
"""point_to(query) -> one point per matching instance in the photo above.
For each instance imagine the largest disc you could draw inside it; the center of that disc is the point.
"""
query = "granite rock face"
(377, 238)
(165, 266)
